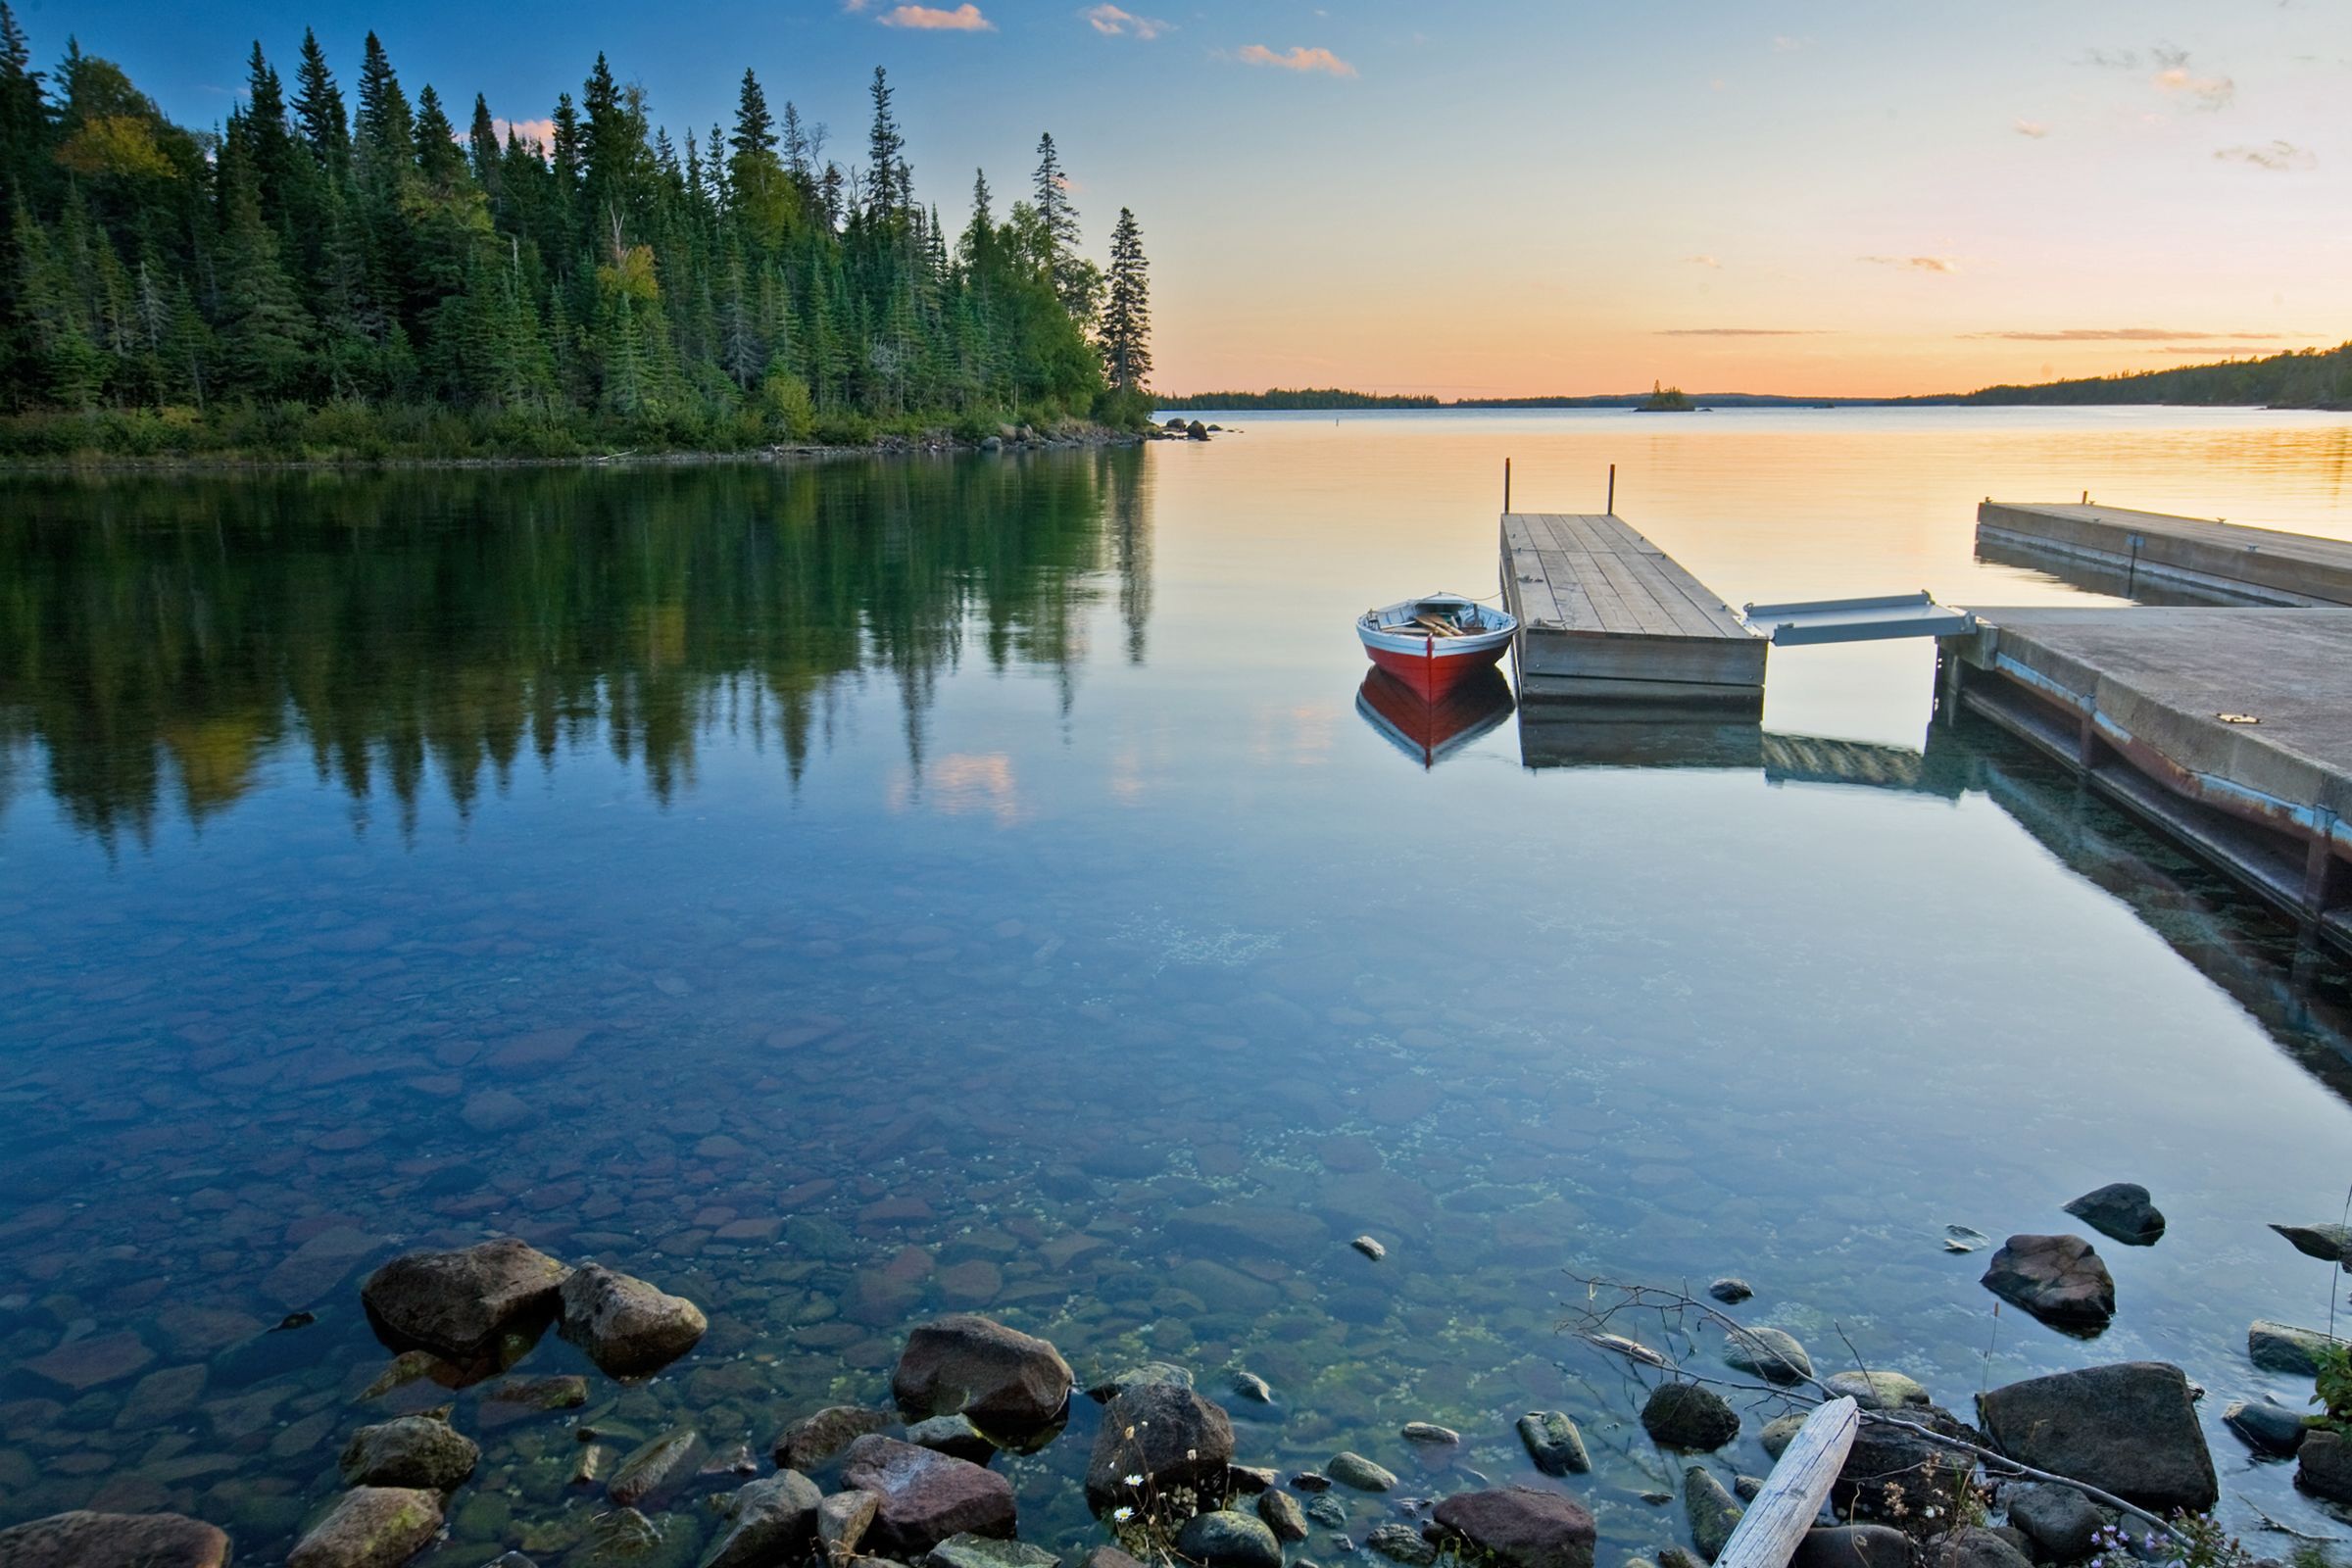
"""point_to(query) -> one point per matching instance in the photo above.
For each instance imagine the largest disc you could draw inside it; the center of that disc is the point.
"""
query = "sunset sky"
(1486, 199)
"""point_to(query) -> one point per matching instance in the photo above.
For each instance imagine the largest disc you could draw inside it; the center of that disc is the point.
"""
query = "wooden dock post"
(1506, 484)
(1611, 508)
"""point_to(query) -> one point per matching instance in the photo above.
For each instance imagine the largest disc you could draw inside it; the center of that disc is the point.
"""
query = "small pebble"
(1251, 1386)
(1430, 1432)
(1369, 1247)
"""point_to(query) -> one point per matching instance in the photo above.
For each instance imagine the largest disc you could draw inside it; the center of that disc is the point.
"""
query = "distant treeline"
(1299, 397)
(2305, 378)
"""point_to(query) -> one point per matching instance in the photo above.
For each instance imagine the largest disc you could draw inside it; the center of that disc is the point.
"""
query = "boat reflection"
(1430, 732)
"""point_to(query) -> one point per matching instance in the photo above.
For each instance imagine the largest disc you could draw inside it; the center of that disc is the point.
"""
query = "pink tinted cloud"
(541, 131)
(1113, 22)
(965, 18)
(1299, 58)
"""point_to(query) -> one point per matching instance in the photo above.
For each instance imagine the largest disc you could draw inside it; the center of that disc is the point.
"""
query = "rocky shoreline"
(2074, 1464)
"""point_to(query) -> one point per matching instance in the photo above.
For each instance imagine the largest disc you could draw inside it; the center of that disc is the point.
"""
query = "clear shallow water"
(970, 884)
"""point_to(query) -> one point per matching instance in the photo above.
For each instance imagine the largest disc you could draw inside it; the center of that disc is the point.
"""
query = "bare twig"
(2277, 1527)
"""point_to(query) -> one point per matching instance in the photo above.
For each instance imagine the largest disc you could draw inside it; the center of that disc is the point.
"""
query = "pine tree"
(386, 132)
(1127, 316)
(885, 151)
(265, 334)
(1075, 282)
(318, 109)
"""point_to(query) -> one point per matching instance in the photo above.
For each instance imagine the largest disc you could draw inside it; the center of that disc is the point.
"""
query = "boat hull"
(1435, 668)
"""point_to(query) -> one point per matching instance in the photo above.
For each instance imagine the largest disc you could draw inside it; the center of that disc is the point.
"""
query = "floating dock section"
(2130, 549)
(1606, 616)
(2230, 728)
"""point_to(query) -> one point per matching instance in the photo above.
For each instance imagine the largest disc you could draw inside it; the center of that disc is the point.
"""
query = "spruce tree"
(1127, 315)
(318, 109)
(885, 151)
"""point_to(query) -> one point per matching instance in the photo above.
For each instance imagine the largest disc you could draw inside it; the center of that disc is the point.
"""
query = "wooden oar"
(1768, 1534)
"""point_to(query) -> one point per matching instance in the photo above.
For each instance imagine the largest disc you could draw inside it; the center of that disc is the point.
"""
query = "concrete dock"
(1606, 616)
(2218, 560)
(2230, 728)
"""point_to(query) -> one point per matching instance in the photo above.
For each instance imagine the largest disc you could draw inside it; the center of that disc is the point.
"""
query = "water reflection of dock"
(1630, 735)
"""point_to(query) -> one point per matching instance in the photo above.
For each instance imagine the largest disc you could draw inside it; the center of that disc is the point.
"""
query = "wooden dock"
(1605, 614)
(2231, 729)
(2212, 558)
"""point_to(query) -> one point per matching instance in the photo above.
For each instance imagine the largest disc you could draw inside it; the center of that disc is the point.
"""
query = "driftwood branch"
(1592, 1325)
(2280, 1526)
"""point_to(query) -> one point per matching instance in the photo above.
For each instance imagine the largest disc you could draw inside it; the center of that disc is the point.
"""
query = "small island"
(1664, 400)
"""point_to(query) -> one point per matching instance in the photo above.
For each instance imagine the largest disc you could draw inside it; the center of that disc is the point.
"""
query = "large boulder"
(1520, 1527)
(1164, 1432)
(2058, 1279)
(461, 1303)
(2121, 1211)
(370, 1527)
(86, 1540)
(2324, 1466)
(774, 1520)
(1225, 1539)
(1901, 1455)
(1007, 1382)
(410, 1451)
(2129, 1428)
(1687, 1416)
(924, 1497)
(627, 1327)
(1853, 1547)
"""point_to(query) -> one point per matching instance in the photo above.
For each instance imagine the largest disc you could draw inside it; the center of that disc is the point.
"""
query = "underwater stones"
(775, 1519)
(1429, 1435)
(1730, 1291)
(627, 1327)
(498, 1110)
(2330, 1243)
(982, 1552)
(2121, 1211)
(842, 1521)
(1328, 1511)
(160, 1397)
(2129, 1428)
(2278, 1347)
(2059, 1279)
(1878, 1391)
(1401, 1544)
(370, 1527)
(1136, 1377)
(83, 1539)
(1167, 1434)
(1281, 1515)
(1713, 1513)
(1354, 1470)
(656, 1467)
(88, 1363)
(1256, 1230)
(2266, 1426)
(1521, 1527)
(1767, 1354)
(537, 1051)
(1005, 1380)
(2324, 1466)
(1224, 1539)
(1779, 1432)
(565, 1391)
(319, 1264)
(460, 1302)
(1250, 1386)
(1687, 1416)
(812, 1440)
(924, 1497)
(410, 1451)
(2060, 1520)
(1553, 1442)
(951, 1433)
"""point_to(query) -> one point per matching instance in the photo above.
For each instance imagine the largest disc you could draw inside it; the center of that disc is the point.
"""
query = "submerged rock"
(1169, 1435)
(1224, 1539)
(774, 1520)
(1006, 1381)
(923, 1498)
(812, 1440)
(1138, 1376)
(1281, 1514)
(1553, 1442)
(1713, 1513)
(1730, 1291)
(1521, 1527)
(2330, 1243)
(1369, 1247)
(1401, 1544)
(2130, 1428)
(460, 1303)
(842, 1520)
(627, 1327)
(410, 1450)
(1354, 1470)
(1779, 1432)
(1878, 1391)
(370, 1527)
(1767, 1354)
(952, 1434)
(83, 1539)
(2059, 1279)
(657, 1467)
(2266, 1426)
(1687, 1416)
(983, 1551)
(2121, 1211)
(2324, 1465)
(2278, 1347)
(1429, 1434)
(1250, 1386)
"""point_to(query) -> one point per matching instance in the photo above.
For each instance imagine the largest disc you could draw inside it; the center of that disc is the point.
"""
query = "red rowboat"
(1433, 642)
(1431, 732)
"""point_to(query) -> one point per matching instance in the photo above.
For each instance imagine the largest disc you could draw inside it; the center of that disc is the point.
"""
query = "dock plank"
(2224, 560)
(1606, 613)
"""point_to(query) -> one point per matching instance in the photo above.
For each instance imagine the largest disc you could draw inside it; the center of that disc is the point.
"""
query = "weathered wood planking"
(1768, 1533)
(1605, 612)
(2233, 562)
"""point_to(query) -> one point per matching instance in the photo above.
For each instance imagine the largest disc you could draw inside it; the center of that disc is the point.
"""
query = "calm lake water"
(970, 883)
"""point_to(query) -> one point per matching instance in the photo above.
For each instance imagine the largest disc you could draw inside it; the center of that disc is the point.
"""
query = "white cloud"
(1917, 264)
(1113, 22)
(965, 18)
(1299, 59)
(2035, 128)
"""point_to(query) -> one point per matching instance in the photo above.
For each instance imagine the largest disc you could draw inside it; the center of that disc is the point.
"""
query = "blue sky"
(1513, 198)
